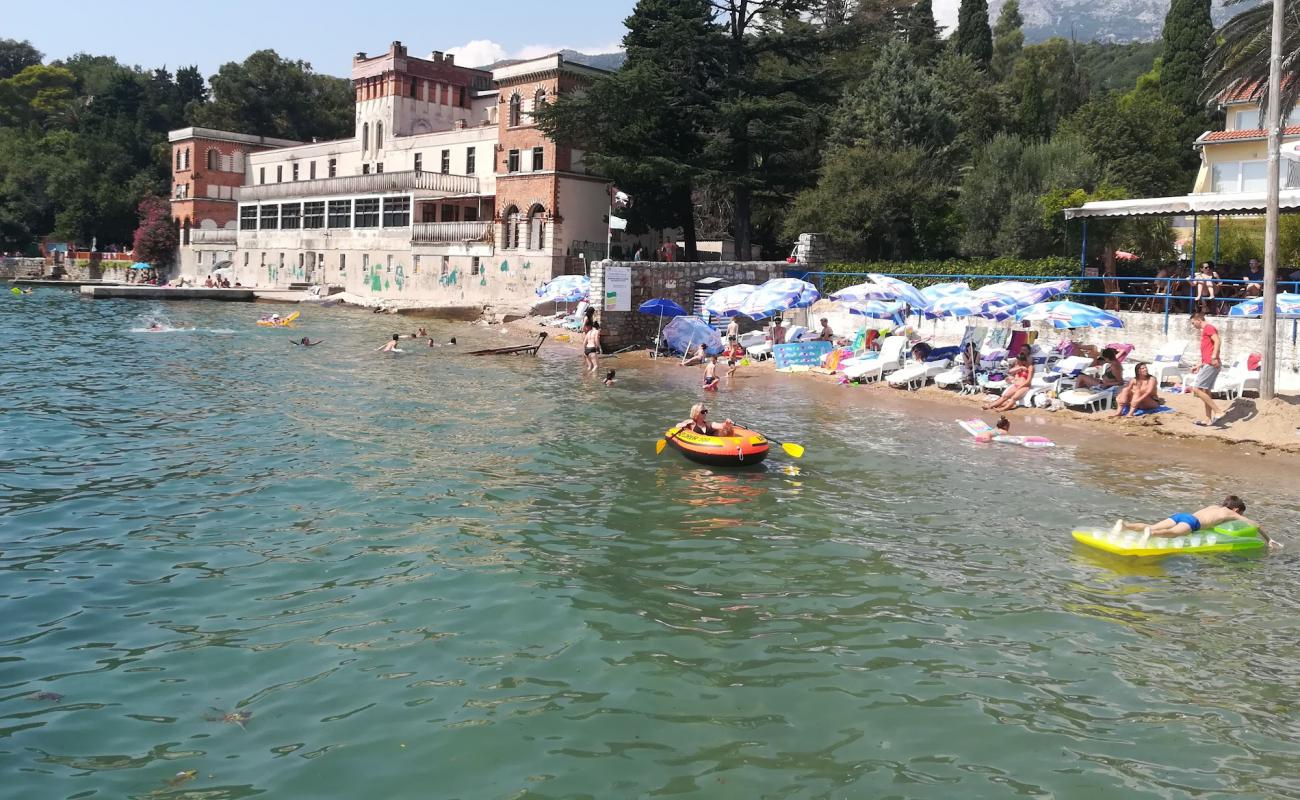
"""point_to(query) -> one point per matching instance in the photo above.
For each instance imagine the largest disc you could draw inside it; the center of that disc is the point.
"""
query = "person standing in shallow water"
(591, 347)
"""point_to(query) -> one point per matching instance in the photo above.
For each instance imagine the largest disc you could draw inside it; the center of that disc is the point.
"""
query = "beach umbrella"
(861, 293)
(1039, 292)
(661, 307)
(1288, 305)
(900, 290)
(1069, 314)
(684, 333)
(726, 301)
(1122, 255)
(141, 265)
(564, 285)
(876, 309)
(777, 296)
(941, 290)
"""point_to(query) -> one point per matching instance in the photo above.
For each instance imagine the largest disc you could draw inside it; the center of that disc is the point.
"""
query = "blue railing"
(1166, 296)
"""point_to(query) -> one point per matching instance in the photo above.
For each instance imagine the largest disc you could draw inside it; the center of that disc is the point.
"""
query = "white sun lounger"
(914, 375)
(1237, 380)
(889, 358)
(1091, 399)
(1168, 360)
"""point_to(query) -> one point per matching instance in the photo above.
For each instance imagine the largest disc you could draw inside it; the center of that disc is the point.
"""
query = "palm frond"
(1239, 64)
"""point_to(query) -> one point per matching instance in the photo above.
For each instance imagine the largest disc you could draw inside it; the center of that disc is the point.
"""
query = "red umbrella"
(1126, 256)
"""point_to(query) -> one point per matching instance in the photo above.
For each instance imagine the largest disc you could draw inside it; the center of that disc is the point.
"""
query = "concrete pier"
(102, 292)
(40, 283)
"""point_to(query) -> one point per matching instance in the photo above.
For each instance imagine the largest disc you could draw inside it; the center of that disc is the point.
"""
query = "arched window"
(214, 159)
(187, 159)
(365, 136)
(510, 237)
(536, 216)
(515, 109)
(178, 159)
(539, 100)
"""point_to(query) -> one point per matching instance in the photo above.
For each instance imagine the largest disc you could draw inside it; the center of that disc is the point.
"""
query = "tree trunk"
(691, 252)
(740, 221)
(1109, 283)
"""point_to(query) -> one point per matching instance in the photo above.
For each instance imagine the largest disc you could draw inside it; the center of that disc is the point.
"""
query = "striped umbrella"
(777, 296)
(900, 290)
(1288, 305)
(862, 293)
(876, 309)
(1069, 314)
(726, 301)
(941, 290)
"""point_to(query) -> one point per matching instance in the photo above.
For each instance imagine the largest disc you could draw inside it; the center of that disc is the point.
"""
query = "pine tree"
(1188, 38)
(922, 31)
(1008, 39)
(974, 37)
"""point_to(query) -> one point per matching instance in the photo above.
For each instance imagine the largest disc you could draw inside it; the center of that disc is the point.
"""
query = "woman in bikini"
(1019, 378)
(1139, 394)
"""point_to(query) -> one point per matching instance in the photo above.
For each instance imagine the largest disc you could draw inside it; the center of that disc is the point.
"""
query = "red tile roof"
(1243, 92)
(1245, 133)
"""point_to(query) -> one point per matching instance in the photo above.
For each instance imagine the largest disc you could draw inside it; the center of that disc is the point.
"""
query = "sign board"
(800, 354)
(1089, 272)
(618, 288)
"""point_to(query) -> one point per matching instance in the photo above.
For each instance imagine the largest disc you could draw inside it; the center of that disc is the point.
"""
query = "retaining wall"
(674, 281)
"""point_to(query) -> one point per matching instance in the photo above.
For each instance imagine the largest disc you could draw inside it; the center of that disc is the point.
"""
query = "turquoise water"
(432, 576)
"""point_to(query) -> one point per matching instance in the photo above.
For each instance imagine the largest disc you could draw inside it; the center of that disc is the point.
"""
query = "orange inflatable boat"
(742, 449)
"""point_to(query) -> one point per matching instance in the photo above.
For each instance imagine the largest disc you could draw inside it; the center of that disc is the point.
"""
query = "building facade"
(447, 192)
(1235, 159)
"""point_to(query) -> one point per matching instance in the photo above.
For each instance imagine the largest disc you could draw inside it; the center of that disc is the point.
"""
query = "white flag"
(617, 224)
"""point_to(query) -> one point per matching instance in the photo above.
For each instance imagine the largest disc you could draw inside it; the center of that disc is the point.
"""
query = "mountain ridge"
(1101, 20)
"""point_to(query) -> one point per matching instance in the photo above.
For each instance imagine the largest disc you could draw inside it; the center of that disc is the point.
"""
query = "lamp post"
(1268, 367)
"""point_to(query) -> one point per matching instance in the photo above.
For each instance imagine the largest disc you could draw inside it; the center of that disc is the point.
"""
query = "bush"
(1055, 267)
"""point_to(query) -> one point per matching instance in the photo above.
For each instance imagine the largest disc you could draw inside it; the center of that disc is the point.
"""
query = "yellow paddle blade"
(795, 450)
(660, 445)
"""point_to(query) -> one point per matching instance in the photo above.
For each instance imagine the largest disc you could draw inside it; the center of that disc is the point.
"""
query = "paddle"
(662, 443)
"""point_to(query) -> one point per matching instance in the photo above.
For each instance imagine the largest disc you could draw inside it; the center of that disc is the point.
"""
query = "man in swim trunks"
(711, 374)
(698, 423)
(1178, 524)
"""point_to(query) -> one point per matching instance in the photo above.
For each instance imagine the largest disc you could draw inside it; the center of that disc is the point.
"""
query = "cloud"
(945, 13)
(481, 52)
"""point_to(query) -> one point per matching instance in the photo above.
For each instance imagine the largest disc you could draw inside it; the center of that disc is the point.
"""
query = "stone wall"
(12, 267)
(672, 280)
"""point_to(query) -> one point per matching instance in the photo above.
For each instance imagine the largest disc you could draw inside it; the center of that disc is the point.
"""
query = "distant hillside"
(1099, 20)
(608, 61)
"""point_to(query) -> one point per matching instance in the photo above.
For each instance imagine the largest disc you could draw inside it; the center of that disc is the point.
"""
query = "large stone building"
(447, 192)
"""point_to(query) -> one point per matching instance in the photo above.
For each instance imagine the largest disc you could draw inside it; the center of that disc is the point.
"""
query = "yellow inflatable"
(279, 323)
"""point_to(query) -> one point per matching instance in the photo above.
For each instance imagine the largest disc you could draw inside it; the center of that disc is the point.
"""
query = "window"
(414, 88)
(538, 159)
(313, 215)
(248, 218)
(270, 217)
(379, 136)
(1246, 120)
(246, 258)
(333, 167)
(535, 216)
(365, 169)
(512, 163)
(1254, 176)
(214, 159)
(295, 170)
(379, 167)
(367, 213)
(365, 261)
(311, 171)
(388, 262)
(343, 262)
(290, 216)
(474, 265)
(449, 213)
(261, 174)
(470, 215)
(282, 261)
(415, 265)
(446, 162)
(340, 213)
(279, 173)
(301, 260)
(460, 96)
(365, 136)
(419, 162)
(178, 159)
(539, 100)
(397, 212)
(446, 266)
(199, 258)
(515, 108)
(187, 159)
(510, 237)
(470, 158)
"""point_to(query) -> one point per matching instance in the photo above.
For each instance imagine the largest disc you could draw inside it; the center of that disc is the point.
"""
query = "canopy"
(1068, 314)
(1288, 305)
(1207, 203)
(685, 333)
(661, 307)
(778, 295)
(726, 301)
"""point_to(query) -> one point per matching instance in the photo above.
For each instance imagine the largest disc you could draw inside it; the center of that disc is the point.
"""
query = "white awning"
(1210, 203)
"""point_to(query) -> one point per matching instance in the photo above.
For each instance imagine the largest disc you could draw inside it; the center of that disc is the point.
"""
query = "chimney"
(360, 56)
(396, 48)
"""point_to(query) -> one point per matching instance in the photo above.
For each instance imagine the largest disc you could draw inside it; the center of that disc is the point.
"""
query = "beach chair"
(1091, 399)
(889, 358)
(1168, 361)
(914, 375)
(1237, 380)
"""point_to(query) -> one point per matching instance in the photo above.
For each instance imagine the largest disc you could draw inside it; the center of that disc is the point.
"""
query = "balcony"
(223, 236)
(451, 232)
(427, 184)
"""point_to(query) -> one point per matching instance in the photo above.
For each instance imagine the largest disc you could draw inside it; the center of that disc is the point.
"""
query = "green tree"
(642, 127)
(901, 103)
(1008, 39)
(974, 38)
(1188, 41)
(16, 56)
(270, 96)
(1045, 86)
(156, 240)
(1135, 140)
(922, 32)
(35, 95)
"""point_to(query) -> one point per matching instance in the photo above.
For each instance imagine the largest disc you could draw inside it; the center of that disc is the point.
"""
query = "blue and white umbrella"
(564, 289)
(862, 293)
(1288, 305)
(941, 290)
(686, 333)
(726, 301)
(1069, 314)
(877, 309)
(661, 307)
(778, 296)
(900, 290)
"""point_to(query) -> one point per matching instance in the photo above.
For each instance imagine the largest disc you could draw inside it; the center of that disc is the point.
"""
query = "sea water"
(324, 572)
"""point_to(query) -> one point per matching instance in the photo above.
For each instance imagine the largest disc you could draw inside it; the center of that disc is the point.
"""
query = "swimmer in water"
(305, 342)
(609, 378)
(154, 327)
(1232, 508)
(391, 345)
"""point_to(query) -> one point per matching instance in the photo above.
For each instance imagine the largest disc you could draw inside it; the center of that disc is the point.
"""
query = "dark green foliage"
(921, 31)
(1188, 39)
(1136, 143)
(1116, 67)
(267, 95)
(1008, 39)
(16, 56)
(974, 38)
(1242, 49)
(1045, 86)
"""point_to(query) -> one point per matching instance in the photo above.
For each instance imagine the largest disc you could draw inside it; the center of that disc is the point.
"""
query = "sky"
(325, 33)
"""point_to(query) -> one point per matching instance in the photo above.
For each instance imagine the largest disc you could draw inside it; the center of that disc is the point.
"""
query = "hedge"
(1056, 267)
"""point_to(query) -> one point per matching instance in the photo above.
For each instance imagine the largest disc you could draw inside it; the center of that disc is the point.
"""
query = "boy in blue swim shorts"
(1208, 517)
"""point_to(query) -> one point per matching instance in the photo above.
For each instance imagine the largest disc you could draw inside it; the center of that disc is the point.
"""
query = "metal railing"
(1167, 296)
(374, 183)
(223, 236)
(451, 232)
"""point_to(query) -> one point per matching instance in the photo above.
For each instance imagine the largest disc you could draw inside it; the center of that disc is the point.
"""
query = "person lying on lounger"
(1139, 394)
(1112, 373)
(1233, 507)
